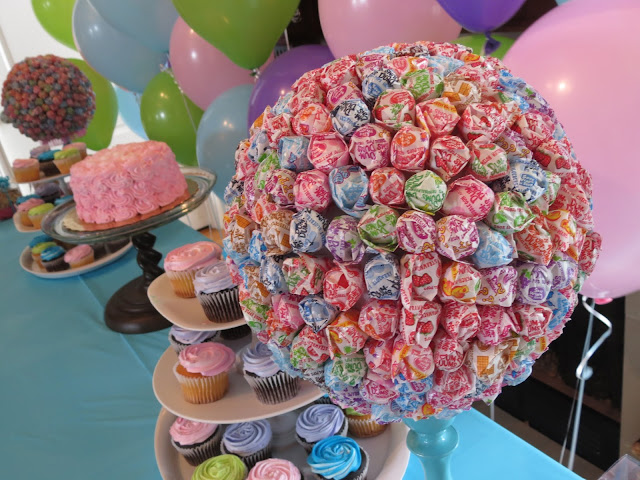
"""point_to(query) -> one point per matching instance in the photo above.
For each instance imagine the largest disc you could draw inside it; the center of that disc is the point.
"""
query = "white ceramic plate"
(184, 312)
(388, 453)
(27, 263)
(20, 227)
(239, 403)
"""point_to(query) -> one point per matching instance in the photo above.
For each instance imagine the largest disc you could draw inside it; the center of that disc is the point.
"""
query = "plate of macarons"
(47, 258)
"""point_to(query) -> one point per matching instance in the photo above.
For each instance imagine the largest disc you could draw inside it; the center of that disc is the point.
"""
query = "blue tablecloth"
(76, 398)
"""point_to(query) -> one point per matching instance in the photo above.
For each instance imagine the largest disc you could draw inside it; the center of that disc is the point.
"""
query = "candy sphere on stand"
(426, 228)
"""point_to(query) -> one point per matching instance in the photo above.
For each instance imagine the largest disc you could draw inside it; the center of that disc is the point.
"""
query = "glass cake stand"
(129, 309)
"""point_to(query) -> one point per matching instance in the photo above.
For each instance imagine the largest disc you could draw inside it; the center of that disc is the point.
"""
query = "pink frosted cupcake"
(196, 441)
(23, 210)
(26, 170)
(79, 255)
(182, 264)
(274, 468)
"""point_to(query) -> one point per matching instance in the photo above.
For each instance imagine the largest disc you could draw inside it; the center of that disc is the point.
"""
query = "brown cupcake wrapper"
(196, 454)
(49, 168)
(201, 390)
(235, 332)
(222, 306)
(250, 460)
(275, 389)
(365, 428)
(309, 446)
(55, 265)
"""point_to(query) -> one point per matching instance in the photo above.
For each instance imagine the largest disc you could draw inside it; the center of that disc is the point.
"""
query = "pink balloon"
(357, 25)
(202, 71)
(582, 60)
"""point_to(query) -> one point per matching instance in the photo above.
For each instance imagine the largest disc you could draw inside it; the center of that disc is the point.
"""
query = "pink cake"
(119, 183)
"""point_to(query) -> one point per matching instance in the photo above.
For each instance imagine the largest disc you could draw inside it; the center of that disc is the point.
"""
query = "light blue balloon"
(222, 127)
(113, 54)
(148, 21)
(129, 108)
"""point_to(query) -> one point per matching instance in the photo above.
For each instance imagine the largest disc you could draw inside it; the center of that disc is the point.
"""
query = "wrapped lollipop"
(350, 189)
(395, 108)
(377, 82)
(314, 118)
(425, 191)
(341, 93)
(419, 321)
(420, 274)
(386, 187)
(457, 237)
(304, 274)
(328, 151)
(309, 349)
(343, 240)
(377, 228)
(307, 232)
(448, 156)
(344, 334)
(413, 362)
(382, 277)
(469, 198)
(348, 369)
(312, 190)
(380, 318)
(316, 312)
(286, 321)
(498, 286)
(343, 286)
(460, 321)
(275, 231)
(410, 149)
(416, 232)
(292, 153)
(370, 146)
(378, 354)
(350, 115)
(279, 186)
(438, 116)
(272, 276)
(460, 282)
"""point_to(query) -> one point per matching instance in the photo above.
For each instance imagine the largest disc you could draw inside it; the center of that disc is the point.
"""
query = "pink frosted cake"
(122, 182)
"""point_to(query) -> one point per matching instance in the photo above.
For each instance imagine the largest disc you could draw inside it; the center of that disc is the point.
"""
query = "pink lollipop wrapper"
(328, 151)
(378, 355)
(498, 286)
(343, 286)
(342, 70)
(449, 155)
(488, 161)
(395, 108)
(410, 148)
(286, 321)
(438, 116)
(460, 92)
(457, 237)
(311, 190)
(369, 63)
(370, 146)
(533, 319)
(482, 122)
(275, 231)
(254, 286)
(420, 275)
(575, 249)
(380, 319)
(448, 354)
(236, 278)
(344, 335)
(386, 187)
(534, 243)
(455, 384)
(314, 118)
(419, 321)
(413, 362)
(590, 252)
(554, 156)
(469, 198)
(377, 389)
(535, 128)
(571, 197)
(304, 274)
(340, 93)
(279, 186)
(497, 324)
(416, 232)
(460, 321)
(307, 78)
(277, 127)
(460, 282)
(311, 92)
(240, 230)
(489, 362)
(309, 349)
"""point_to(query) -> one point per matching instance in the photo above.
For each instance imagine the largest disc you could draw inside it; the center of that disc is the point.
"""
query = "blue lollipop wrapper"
(271, 275)
(257, 248)
(382, 277)
(559, 305)
(308, 231)
(350, 115)
(292, 153)
(493, 249)
(444, 65)
(317, 312)
(258, 145)
(525, 177)
(377, 82)
(350, 189)
(234, 189)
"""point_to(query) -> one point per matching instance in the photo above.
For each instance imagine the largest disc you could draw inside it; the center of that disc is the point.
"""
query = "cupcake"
(26, 170)
(363, 426)
(46, 165)
(39, 239)
(61, 200)
(182, 264)
(235, 332)
(338, 458)
(181, 338)
(35, 151)
(64, 159)
(217, 293)
(270, 384)
(79, 256)
(274, 469)
(196, 441)
(49, 191)
(23, 210)
(79, 146)
(52, 259)
(318, 422)
(36, 214)
(38, 248)
(202, 371)
(251, 441)
(222, 467)
(24, 198)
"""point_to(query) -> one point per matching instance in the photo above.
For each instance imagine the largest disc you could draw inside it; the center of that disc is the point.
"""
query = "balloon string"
(491, 45)
(286, 39)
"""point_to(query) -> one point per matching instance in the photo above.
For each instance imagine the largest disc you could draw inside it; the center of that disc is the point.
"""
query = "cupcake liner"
(27, 174)
(250, 460)
(365, 427)
(49, 168)
(25, 220)
(182, 282)
(360, 474)
(178, 347)
(309, 446)
(324, 400)
(222, 306)
(202, 389)
(235, 333)
(36, 221)
(56, 265)
(275, 389)
(198, 453)
(65, 164)
(86, 260)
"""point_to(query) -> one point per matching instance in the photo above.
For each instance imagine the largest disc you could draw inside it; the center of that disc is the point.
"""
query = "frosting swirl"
(39, 239)
(187, 432)
(76, 253)
(29, 204)
(318, 422)
(24, 162)
(274, 469)
(208, 359)
(222, 467)
(213, 278)
(335, 457)
(41, 247)
(51, 253)
(189, 337)
(258, 360)
(247, 438)
(193, 255)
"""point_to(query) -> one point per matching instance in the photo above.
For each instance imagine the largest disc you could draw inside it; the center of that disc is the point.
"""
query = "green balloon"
(55, 18)
(103, 123)
(169, 116)
(244, 30)
(476, 42)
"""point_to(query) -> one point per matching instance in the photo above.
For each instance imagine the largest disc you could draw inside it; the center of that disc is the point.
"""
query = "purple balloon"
(278, 77)
(481, 16)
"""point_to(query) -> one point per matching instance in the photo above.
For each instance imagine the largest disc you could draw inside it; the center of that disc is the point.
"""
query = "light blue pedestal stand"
(433, 441)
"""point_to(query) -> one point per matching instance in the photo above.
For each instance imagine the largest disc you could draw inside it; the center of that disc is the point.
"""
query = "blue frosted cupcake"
(251, 441)
(61, 200)
(270, 384)
(52, 259)
(338, 458)
(318, 422)
(180, 338)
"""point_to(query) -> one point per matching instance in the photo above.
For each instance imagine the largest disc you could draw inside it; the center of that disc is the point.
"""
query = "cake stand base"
(433, 441)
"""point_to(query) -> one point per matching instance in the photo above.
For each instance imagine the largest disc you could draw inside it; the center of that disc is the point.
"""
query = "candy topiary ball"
(47, 98)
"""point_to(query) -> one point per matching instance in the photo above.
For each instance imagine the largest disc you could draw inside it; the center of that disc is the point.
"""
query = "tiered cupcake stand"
(388, 452)
(59, 179)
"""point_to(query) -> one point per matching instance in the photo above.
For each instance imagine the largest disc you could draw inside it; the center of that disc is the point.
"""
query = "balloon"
(278, 77)
(55, 18)
(222, 127)
(481, 16)
(202, 71)
(356, 26)
(477, 41)
(113, 54)
(169, 116)
(244, 30)
(555, 55)
(129, 107)
(148, 21)
(101, 126)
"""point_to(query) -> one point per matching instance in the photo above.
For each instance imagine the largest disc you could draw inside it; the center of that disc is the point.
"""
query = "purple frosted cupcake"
(251, 441)
(180, 338)
(217, 293)
(270, 384)
(196, 441)
(318, 422)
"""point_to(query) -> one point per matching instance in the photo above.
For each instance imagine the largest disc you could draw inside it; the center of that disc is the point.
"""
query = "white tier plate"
(27, 263)
(44, 179)
(22, 228)
(388, 453)
(183, 312)
(238, 405)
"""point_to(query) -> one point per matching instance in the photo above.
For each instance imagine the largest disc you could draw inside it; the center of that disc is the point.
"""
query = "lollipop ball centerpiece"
(409, 228)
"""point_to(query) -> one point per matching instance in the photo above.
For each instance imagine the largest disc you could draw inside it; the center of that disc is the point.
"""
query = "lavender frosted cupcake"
(196, 441)
(180, 338)
(251, 441)
(217, 293)
(318, 422)
(270, 384)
